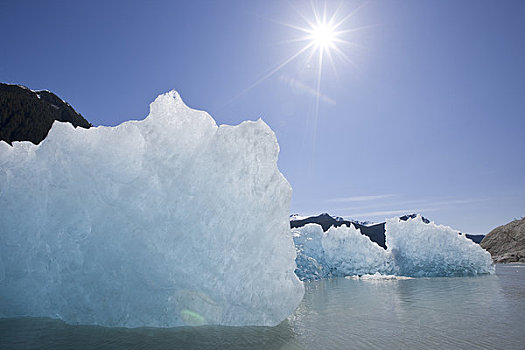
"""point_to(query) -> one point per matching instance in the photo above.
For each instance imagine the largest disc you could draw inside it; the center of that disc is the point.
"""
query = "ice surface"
(430, 250)
(414, 248)
(340, 251)
(163, 222)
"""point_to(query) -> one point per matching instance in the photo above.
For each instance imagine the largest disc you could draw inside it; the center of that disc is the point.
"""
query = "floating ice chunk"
(340, 251)
(163, 222)
(349, 252)
(421, 249)
(311, 262)
(378, 277)
(414, 248)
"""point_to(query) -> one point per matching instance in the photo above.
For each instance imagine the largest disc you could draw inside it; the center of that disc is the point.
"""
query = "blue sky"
(426, 113)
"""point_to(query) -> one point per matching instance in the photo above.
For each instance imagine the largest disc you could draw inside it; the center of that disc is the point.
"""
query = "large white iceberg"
(414, 248)
(163, 222)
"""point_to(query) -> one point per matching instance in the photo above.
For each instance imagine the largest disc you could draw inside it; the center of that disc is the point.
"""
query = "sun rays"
(326, 35)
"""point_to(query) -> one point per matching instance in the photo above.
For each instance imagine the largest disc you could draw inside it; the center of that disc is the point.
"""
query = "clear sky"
(424, 112)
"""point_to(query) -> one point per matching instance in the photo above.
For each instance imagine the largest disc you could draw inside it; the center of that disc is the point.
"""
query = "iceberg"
(430, 250)
(163, 222)
(414, 248)
(340, 251)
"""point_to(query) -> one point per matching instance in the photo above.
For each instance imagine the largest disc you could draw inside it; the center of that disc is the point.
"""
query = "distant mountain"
(375, 232)
(27, 115)
(506, 243)
(475, 238)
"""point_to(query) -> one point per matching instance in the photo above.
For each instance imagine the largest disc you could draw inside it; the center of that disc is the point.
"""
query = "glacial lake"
(485, 312)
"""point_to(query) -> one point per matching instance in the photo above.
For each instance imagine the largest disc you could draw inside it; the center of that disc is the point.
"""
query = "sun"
(323, 35)
(326, 34)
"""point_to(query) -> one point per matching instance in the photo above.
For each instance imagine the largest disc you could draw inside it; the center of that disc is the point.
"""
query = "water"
(486, 312)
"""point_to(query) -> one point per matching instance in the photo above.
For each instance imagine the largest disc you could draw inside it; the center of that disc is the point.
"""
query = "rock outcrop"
(506, 243)
(27, 115)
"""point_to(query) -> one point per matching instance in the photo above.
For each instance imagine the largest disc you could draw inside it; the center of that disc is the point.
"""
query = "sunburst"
(324, 36)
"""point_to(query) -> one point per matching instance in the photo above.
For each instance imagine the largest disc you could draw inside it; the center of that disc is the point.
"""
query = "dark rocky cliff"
(27, 115)
(506, 243)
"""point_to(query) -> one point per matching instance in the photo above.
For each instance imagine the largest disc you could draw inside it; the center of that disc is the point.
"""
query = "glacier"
(414, 249)
(167, 221)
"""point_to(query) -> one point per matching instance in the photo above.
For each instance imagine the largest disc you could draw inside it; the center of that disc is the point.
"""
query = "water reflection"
(485, 312)
(44, 333)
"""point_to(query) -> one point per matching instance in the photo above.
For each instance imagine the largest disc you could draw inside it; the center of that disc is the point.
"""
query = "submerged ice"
(414, 248)
(163, 222)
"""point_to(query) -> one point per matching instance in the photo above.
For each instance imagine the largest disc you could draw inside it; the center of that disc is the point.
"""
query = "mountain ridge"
(27, 115)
